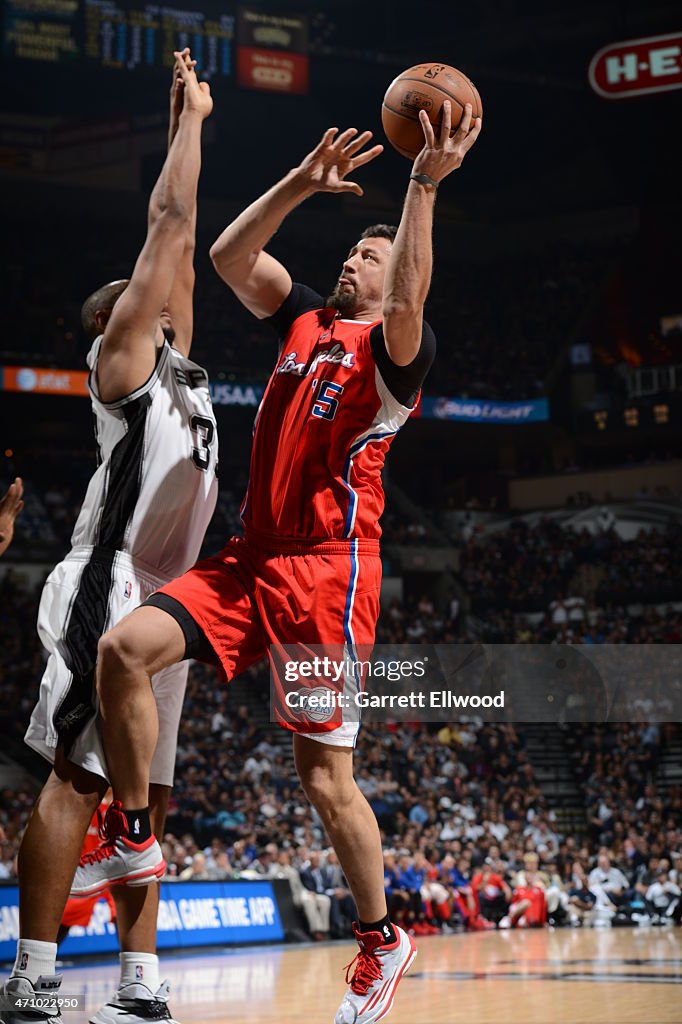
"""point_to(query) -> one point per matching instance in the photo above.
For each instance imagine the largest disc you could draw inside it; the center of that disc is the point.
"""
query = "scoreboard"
(655, 415)
(119, 34)
(43, 30)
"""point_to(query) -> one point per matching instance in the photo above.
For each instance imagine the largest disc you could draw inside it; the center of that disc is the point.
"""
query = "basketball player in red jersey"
(308, 568)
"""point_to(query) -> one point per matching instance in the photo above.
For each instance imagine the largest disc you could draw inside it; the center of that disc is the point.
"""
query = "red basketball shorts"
(259, 592)
(79, 911)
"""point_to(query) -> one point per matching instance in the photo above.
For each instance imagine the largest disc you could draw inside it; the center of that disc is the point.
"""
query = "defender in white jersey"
(142, 523)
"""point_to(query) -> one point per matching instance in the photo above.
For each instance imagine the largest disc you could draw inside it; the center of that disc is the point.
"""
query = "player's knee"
(117, 661)
(326, 792)
(74, 788)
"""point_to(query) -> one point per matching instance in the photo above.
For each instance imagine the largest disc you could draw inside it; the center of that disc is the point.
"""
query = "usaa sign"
(236, 394)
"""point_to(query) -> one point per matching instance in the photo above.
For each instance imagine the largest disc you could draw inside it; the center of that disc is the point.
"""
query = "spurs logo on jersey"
(155, 489)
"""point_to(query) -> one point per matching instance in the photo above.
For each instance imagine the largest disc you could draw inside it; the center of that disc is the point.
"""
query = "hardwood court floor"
(610, 976)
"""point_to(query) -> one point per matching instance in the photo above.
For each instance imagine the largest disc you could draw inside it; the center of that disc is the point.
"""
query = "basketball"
(424, 87)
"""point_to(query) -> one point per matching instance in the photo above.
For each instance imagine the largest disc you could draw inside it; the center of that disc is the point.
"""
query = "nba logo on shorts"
(139, 972)
(128, 589)
(23, 962)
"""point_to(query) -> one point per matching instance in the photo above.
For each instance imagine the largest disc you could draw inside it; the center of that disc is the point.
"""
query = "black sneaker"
(136, 1004)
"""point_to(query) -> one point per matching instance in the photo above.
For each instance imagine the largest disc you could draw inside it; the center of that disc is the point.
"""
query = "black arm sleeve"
(300, 300)
(404, 382)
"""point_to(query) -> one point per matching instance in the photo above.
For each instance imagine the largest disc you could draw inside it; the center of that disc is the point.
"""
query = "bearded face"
(360, 286)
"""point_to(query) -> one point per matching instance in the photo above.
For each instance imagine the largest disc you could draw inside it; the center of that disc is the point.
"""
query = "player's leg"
(205, 614)
(140, 996)
(142, 644)
(57, 825)
(326, 774)
(337, 595)
(137, 907)
(54, 834)
(386, 951)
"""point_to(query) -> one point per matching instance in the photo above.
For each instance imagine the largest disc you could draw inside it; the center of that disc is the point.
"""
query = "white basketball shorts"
(83, 597)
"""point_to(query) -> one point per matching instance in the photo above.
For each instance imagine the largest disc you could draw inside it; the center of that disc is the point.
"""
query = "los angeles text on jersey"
(336, 355)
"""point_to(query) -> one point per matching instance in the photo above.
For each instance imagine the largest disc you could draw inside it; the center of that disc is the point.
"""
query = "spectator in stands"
(284, 868)
(410, 881)
(581, 899)
(316, 898)
(343, 911)
(197, 870)
(391, 878)
(493, 893)
(528, 907)
(608, 883)
(663, 896)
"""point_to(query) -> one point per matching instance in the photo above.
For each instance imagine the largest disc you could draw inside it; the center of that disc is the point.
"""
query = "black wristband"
(424, 179)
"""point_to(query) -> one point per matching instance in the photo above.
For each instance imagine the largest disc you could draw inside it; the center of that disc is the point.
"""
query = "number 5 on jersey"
(203, 431)
(326, 403)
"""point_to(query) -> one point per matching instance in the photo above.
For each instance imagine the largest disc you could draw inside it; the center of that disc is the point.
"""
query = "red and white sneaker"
(118, 860)
(378, 970)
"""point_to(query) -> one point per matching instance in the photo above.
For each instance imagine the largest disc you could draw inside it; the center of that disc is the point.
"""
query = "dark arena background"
(534, 496)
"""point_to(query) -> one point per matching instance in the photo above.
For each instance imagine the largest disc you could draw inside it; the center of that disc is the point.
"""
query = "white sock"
(142, 968)
(34, 958)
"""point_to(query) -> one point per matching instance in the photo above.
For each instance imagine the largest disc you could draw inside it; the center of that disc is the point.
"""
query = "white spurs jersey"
(154, 491)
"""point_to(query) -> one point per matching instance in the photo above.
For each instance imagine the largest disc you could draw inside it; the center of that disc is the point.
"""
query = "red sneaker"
(118, 860)
(378, 971)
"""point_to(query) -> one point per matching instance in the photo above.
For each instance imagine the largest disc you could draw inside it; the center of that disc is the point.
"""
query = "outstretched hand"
(177, 92)
(326, 168)
(440, 156)
(10, 507)
(196, 94)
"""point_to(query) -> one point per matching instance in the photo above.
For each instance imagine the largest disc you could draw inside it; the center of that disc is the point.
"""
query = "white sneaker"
(378, 970)
(17, 989)
(135, 1004)
(118, 862)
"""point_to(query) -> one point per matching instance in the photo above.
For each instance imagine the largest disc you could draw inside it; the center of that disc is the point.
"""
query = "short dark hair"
(103, 299)
(388, 231)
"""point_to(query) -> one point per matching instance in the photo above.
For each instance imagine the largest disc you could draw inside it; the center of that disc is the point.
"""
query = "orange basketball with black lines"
(425, 87)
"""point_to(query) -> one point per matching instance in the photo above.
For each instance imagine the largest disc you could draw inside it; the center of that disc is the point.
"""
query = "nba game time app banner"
(190, 914)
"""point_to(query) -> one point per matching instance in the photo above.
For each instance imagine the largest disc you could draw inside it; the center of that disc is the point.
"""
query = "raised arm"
(258, 280)
(408, 275)
(181, 299)
(128, 354)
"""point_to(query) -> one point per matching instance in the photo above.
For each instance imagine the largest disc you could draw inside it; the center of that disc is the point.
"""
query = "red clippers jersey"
(323, 429)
